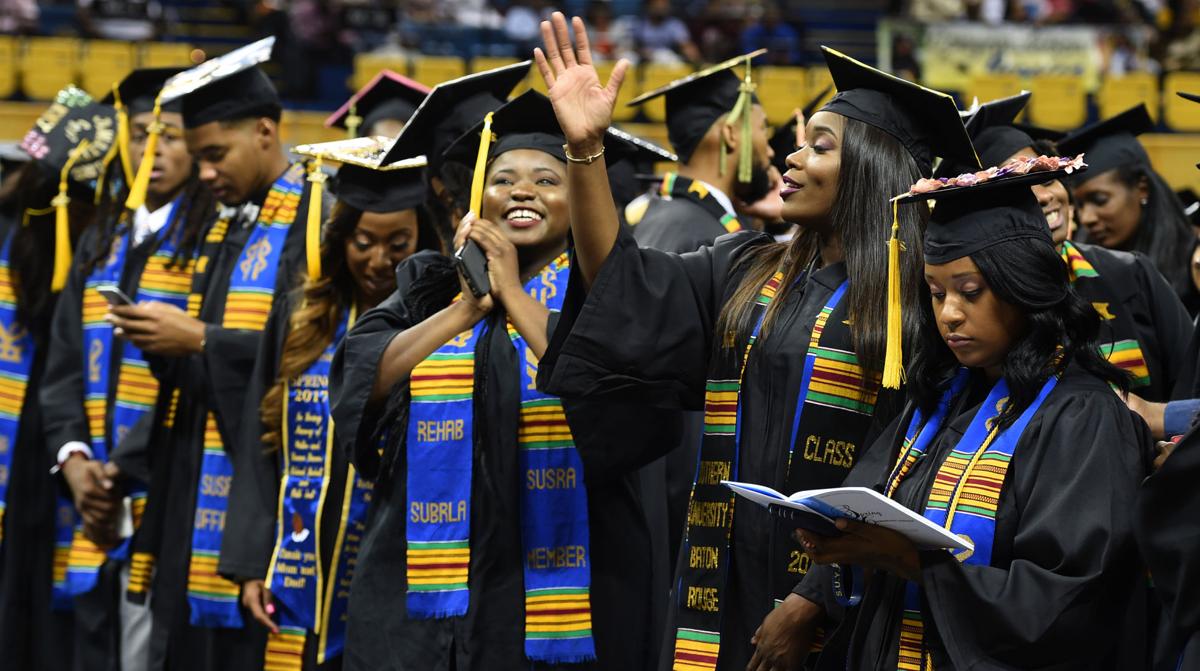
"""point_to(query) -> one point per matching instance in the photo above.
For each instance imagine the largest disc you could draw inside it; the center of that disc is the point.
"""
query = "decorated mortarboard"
(133, 95)
(74, 139)
(978, 210)
(695, 102)
(926, 122)
(451, 108)
(992, 134)
(389, 95)
(783, 139)
(364, 182)
(1113, 142)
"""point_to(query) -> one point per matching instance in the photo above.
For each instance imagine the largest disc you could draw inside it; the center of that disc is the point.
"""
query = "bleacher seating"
(105, 62)
(1180, 114)
(1058, 102)
(48, 55)
(1120, 93)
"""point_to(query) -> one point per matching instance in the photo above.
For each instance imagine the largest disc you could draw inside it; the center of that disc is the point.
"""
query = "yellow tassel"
(102, 180)
(353, 121)
(62, 223)
(485, 146)
(893, 360)
(312, 241)
(141, 182)
(746, 146)
(123, 135)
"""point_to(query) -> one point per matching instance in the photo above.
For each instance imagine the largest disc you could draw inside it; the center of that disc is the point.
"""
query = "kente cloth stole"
(1124, 351)
(554, 513)
(213, 600)
(832, 392)
(965, 494)
(141, 562)
(308, 598)
(110, 418)
(16, 361)
(675, 186)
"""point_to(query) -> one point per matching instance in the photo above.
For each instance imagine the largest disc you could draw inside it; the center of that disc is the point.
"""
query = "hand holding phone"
(113, 294)
(472, 265)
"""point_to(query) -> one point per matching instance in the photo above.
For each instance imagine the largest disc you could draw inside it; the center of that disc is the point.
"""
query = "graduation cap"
(364, 182)
(451, 108)
(133, 95)
(924, 121)
(528, 122)
(389, 95)
(1111, 143)
(1192, 97)
(783, 139)
(995, 139)
(695, 102)
(967, 219)
(74, 139)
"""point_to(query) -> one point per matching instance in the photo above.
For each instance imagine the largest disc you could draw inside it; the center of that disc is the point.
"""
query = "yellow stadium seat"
(1180, 114)
(990, 86)
(105, 63)
(484, 63)
(818, 79)
(1118, 94)
(433, 70)
(8, 66)
(166, 55)
(781, 90)
(1059, 101)
(622, 112)
(48, 64)
(655, 76)
(366, 66)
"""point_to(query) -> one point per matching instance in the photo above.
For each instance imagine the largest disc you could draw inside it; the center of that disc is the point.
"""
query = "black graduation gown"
(32, 635)
(1160, 321)
(254, 494)
(1168, 533)
(491, 635)
(215, 380)
(678, 226)
(97, 619)
(665, 308)
(1064, 569)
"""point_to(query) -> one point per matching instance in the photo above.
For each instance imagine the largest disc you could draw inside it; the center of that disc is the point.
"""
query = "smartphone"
(113, 294)
(472, 265)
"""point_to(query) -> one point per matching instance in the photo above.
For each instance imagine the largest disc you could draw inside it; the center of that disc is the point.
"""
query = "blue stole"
(308, 598)
(212, 600)
(554, 509)
(965, 495)
(16, 361)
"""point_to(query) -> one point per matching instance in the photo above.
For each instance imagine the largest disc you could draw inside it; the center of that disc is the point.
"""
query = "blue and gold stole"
(676, 186)
(308, 598)
(554, 512)
(1124, 352)
(109, 419)
(834, 397)
(213, 600)
(965, 494)
(16, 360)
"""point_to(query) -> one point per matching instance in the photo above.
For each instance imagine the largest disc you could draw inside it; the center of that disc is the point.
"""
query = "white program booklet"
(816, 510)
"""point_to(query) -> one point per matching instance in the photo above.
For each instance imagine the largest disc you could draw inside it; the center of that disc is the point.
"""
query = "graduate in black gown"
(509, 459)
(1012, 438)
(673, 311)
(377, 222)
(98, 388)
(253, 252)
(381, 107)
(1146, 327)
(1123, 203)
(36, 618)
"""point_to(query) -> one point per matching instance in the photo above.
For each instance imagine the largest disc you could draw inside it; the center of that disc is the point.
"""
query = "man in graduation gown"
(252, 253)
(87, 361)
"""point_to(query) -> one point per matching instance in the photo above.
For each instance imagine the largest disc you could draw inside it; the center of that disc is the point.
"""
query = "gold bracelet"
(587, 160)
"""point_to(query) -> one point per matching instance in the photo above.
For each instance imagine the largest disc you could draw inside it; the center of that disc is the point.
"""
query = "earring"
(1145, 202)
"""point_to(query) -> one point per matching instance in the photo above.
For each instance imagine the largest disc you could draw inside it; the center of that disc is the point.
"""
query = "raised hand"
(582, 103)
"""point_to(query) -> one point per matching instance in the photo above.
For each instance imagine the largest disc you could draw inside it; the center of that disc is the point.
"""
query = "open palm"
(583, 104)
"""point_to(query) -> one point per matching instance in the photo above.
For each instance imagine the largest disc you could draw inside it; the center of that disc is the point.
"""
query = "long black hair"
(874, 167)
(1062, 328)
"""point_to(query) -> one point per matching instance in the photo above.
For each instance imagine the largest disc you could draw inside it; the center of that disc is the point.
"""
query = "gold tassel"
(353, 121)
(123, 134)
(141, 182)
(312, 241)
(34, 212)
(62, 223)
(485, 146)
(746, 153)
(893, 360)
(102, 180)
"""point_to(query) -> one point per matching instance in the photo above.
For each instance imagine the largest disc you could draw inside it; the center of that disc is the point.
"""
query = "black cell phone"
(472, 264)
(113, 294)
